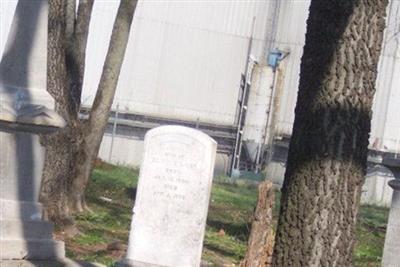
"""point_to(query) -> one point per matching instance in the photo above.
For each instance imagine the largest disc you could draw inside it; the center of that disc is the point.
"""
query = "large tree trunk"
(67, 37)
(54, 185)
(328, 149)
(94, 128)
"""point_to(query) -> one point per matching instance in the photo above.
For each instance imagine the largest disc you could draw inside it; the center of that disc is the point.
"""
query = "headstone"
(391, 252)
(25, 110)
(172, 198)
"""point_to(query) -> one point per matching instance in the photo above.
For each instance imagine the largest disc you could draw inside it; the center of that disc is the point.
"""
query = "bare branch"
(80, 37)
(82, 25)
(112, 66)
(56, 70)
(70, 14)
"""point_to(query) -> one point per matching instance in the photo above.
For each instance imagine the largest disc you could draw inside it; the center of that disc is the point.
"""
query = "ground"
(104, 232)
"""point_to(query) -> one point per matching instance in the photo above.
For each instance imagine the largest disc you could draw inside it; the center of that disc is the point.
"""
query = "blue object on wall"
(274, 57)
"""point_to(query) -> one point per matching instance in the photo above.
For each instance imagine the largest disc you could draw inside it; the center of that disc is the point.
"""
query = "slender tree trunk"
(329, 145)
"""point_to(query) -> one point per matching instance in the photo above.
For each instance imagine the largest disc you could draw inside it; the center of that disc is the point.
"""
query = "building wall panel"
(184, 59)
(128, 151)
(385, 132)
(7, 11)
(291, 29)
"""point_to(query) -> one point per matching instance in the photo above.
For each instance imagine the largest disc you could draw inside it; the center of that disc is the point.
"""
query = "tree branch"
(82, 25)
(56, 70)
(70, 14)
(98, 116)
(81, 35)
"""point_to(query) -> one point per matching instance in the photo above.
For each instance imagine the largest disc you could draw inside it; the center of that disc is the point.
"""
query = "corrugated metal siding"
(129, 152)
(7, 10)
(184, 58)
(290, 37)
(125, 151)
(385, 133)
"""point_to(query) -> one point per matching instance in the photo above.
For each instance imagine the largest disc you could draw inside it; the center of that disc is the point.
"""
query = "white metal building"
(185, 59)
(184, 64)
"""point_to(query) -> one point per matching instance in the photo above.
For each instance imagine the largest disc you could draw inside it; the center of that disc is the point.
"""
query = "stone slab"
(21, 164)
(172, 199)
(17, 229)
(30, 118)
(20, 210)
(18, 107)
(33, 249)
(54, 263)
(130, 263)
(391, 251)
(395, 184)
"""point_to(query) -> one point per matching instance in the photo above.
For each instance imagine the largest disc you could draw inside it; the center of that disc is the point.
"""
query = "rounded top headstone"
(172, 197)
(177, 129)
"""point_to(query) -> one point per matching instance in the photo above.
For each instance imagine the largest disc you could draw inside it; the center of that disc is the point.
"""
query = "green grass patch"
(226, 246)
(371, 229)
(228, 224)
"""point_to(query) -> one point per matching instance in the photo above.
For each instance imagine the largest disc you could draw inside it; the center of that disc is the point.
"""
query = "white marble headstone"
(172, 198)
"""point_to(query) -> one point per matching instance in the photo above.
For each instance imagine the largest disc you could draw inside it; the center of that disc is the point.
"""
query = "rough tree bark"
(261, 240)
(70, 153)
(59, 151)
(94, 128)
(328, 150)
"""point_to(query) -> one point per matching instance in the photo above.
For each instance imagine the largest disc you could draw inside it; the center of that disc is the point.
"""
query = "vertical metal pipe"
(271, 26)
(269, 125)
(397, 145)
(113, 133)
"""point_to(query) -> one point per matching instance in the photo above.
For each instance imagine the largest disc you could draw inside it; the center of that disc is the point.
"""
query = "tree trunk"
(67, 36)
(261, 240)
(94, 128)
(70, 153)
(54, 185)
(329, 146)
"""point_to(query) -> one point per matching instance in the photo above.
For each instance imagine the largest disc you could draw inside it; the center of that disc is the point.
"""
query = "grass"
(371, 229)
(228, 223)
